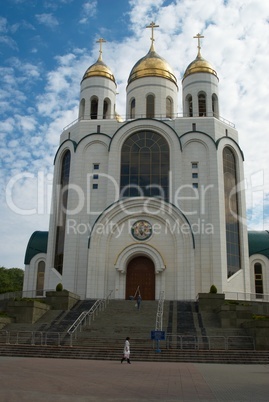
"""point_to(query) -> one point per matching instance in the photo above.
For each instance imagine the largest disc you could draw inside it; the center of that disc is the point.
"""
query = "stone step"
(234, 357)
(182, 323)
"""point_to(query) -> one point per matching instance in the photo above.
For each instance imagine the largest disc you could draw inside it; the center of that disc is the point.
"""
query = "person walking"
(138, 302)
(126, 351)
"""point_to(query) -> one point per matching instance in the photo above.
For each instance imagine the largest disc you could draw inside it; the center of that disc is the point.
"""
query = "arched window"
(189, 106)
(105, 109)
(40, 278)
(145, 166)
(60, 233)
(169, 108)
(82, 109)
(231, 212)
(215, 106)
(258, 280)
(132, 109)
(94, 108)
(202, 105)
(150, 112)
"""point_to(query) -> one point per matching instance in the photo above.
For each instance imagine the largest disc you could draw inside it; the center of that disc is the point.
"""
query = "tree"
(11, 279)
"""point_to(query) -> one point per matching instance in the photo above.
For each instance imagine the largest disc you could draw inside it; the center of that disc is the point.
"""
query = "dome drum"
(200, 95)
(162, 91)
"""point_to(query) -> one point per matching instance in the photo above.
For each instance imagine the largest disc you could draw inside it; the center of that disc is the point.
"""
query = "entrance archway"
(140, 272)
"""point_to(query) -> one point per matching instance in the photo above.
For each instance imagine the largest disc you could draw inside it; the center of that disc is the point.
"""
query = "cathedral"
(152, 202)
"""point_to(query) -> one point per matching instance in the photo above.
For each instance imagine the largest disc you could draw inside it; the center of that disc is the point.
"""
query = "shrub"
(59, 287)
(232, 302)
(213, 289)
(3, 314)
(260, 317)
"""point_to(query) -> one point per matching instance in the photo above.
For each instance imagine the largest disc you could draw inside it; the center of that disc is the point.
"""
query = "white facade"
(99, 241)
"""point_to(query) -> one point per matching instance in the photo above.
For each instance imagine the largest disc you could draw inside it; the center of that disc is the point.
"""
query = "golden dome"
(199, 65)
(99, 69)
(152, 65)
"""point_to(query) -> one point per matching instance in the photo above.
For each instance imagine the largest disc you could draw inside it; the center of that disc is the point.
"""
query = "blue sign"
(158, 335)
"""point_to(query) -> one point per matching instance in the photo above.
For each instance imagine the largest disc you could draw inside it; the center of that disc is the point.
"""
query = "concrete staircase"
(120, 319)
(104, 337)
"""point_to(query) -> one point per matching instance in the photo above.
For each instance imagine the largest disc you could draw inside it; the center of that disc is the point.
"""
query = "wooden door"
(141, 272)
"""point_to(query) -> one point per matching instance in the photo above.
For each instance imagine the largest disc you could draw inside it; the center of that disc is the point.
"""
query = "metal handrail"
(19, 294)
(159, 315)
(218, 342)
(176, 342)
(257, 297)
(99, 305)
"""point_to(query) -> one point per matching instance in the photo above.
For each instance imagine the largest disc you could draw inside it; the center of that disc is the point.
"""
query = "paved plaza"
(41, 379)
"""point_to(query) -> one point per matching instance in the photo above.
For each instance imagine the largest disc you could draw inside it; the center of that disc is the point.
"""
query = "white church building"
(154, 200)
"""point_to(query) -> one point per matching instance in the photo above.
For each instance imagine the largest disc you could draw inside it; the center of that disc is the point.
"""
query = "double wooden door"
(140, 272)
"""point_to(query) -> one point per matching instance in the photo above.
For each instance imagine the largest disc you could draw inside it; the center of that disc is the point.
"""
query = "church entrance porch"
(140, 273)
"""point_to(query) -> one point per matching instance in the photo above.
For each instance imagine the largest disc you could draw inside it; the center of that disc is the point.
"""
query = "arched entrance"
(141, 272)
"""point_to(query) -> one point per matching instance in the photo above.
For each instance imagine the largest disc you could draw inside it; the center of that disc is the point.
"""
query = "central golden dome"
(152, 65)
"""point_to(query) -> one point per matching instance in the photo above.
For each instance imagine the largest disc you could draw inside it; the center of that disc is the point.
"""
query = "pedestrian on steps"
(138, 302)
(126, 351)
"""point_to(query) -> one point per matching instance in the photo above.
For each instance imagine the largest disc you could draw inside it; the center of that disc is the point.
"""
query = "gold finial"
(152, 25)
(199, 36)
(101, 41)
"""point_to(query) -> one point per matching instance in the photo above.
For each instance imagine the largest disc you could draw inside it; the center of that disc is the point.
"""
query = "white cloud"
(89, 10)
(47, 19)
(3, 24)
(7, 40)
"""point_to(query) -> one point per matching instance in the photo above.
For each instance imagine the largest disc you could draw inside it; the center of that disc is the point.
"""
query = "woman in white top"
(126, 351)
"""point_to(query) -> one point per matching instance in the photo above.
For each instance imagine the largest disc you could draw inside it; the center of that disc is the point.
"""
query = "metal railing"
(86, 317)
(32, 338)
(20, 294)
(257, 297)
(159, 315)
(124, 118)
(190, 342)
(172, 342)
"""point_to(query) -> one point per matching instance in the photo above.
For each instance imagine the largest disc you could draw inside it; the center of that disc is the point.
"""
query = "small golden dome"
(199, 65)
(99, 69)
(152, 65)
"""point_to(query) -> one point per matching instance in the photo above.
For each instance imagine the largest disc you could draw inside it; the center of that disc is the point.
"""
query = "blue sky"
(45, 48)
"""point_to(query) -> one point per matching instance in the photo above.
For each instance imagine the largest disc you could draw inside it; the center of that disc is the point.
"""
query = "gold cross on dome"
(152, 25)
(199, 36)
(101, 41)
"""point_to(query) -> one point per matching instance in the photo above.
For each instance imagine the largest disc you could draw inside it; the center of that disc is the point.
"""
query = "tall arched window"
(105, 109)
(215, 106)
(189, 106)
(132, 109)
(231, 212)
(94, 108)
(82, 109)
(40, 278)
(169, 108)
(150, 112)
(60, 233)
(258, 280)
(145, 166)
(202, 105)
